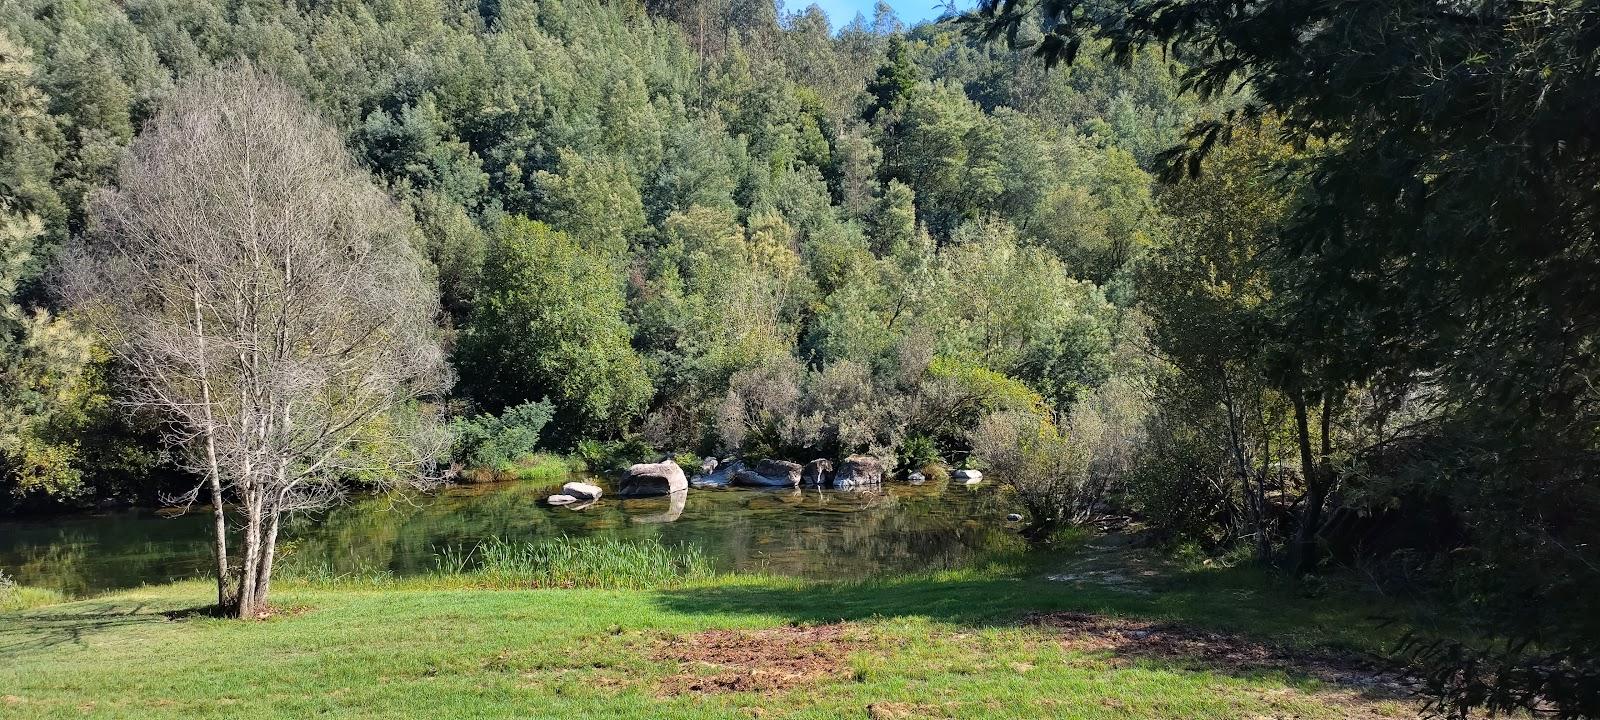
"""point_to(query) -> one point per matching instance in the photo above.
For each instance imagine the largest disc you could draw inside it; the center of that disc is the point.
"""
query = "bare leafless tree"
(270, 303)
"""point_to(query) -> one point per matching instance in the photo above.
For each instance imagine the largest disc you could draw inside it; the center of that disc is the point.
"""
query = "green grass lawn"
(952, 645)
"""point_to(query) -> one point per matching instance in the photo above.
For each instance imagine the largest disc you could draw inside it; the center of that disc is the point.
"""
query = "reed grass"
(576, 562)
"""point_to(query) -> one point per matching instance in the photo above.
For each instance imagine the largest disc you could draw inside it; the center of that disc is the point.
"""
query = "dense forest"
(1168, 264)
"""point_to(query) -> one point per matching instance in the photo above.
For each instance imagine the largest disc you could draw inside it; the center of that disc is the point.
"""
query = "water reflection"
(675, 504)
(811, 532)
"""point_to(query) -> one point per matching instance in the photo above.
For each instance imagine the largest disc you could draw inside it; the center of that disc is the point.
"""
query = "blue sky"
(841, 11)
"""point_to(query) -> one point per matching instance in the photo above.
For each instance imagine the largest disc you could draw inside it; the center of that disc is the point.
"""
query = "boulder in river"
(859, 470)
(817, 472)
(769, 473)
(581, 491)
(561, 499)
(720, 477)
(916, 478)
(660, 478)
(968, 476)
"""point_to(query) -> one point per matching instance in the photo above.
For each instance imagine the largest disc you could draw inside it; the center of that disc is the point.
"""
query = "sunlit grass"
(576, 562)
(22, 597)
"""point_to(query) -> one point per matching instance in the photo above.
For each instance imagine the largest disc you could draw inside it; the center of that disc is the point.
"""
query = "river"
(806, 532)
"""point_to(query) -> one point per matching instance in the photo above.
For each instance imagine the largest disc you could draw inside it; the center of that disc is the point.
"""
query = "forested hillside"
(630, 220)
(1292, 286)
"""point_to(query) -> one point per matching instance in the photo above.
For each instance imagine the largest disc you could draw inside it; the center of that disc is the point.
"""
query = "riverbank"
(1101, 640)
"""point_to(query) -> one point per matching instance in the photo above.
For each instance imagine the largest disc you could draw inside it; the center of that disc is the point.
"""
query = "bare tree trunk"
(1303, 553)
(214, 471)
(269, 550)
(249, 568)
(1236, 442)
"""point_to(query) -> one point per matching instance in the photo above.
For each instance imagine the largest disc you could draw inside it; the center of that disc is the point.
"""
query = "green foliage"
(540, 469)
(549, 324)
(919, 451)
(615, 455)
(496, 442)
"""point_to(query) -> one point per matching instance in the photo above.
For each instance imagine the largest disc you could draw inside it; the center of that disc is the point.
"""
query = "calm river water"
(808, 532)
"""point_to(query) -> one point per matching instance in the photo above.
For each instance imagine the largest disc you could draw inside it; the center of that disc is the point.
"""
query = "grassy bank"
(1100, 642)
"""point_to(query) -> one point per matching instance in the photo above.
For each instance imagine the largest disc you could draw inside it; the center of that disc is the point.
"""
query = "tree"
(42, 362)
(268, 300)
(549, 323)
(1451, 236)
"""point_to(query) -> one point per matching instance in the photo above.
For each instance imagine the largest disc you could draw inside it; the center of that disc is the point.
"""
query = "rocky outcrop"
(647, 479)
(817, 473)
(769, 473)
(581, 491)
(859, 470)
(721, 475)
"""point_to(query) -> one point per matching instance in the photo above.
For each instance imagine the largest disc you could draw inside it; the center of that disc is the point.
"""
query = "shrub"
(498, 442)
(919, 451)
(781, 409)
(1029, 454)
(616, 455)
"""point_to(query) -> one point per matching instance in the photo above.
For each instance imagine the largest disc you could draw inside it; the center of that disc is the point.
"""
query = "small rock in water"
(561, 499)
(1013, 517)
(582, 491)
(916, 478)
(970, 476)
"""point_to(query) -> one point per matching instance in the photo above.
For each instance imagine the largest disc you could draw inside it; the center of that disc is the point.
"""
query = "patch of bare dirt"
(763, 661)
(1216, 651)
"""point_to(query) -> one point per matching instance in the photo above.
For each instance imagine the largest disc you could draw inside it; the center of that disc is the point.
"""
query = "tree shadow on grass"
(1187, 622)
(75, 624)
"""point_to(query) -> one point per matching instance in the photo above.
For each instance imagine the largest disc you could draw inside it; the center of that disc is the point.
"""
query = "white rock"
(561, 499)
(968, 475)
(1013, 517)
(582, 491)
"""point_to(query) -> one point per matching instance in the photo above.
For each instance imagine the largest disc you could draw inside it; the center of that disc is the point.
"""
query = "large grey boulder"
(581, 491)
(720, 477)
(968, 476)
(769, 473)
(816, 473)
(858, 470)
(916, 478)
(646, 479)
